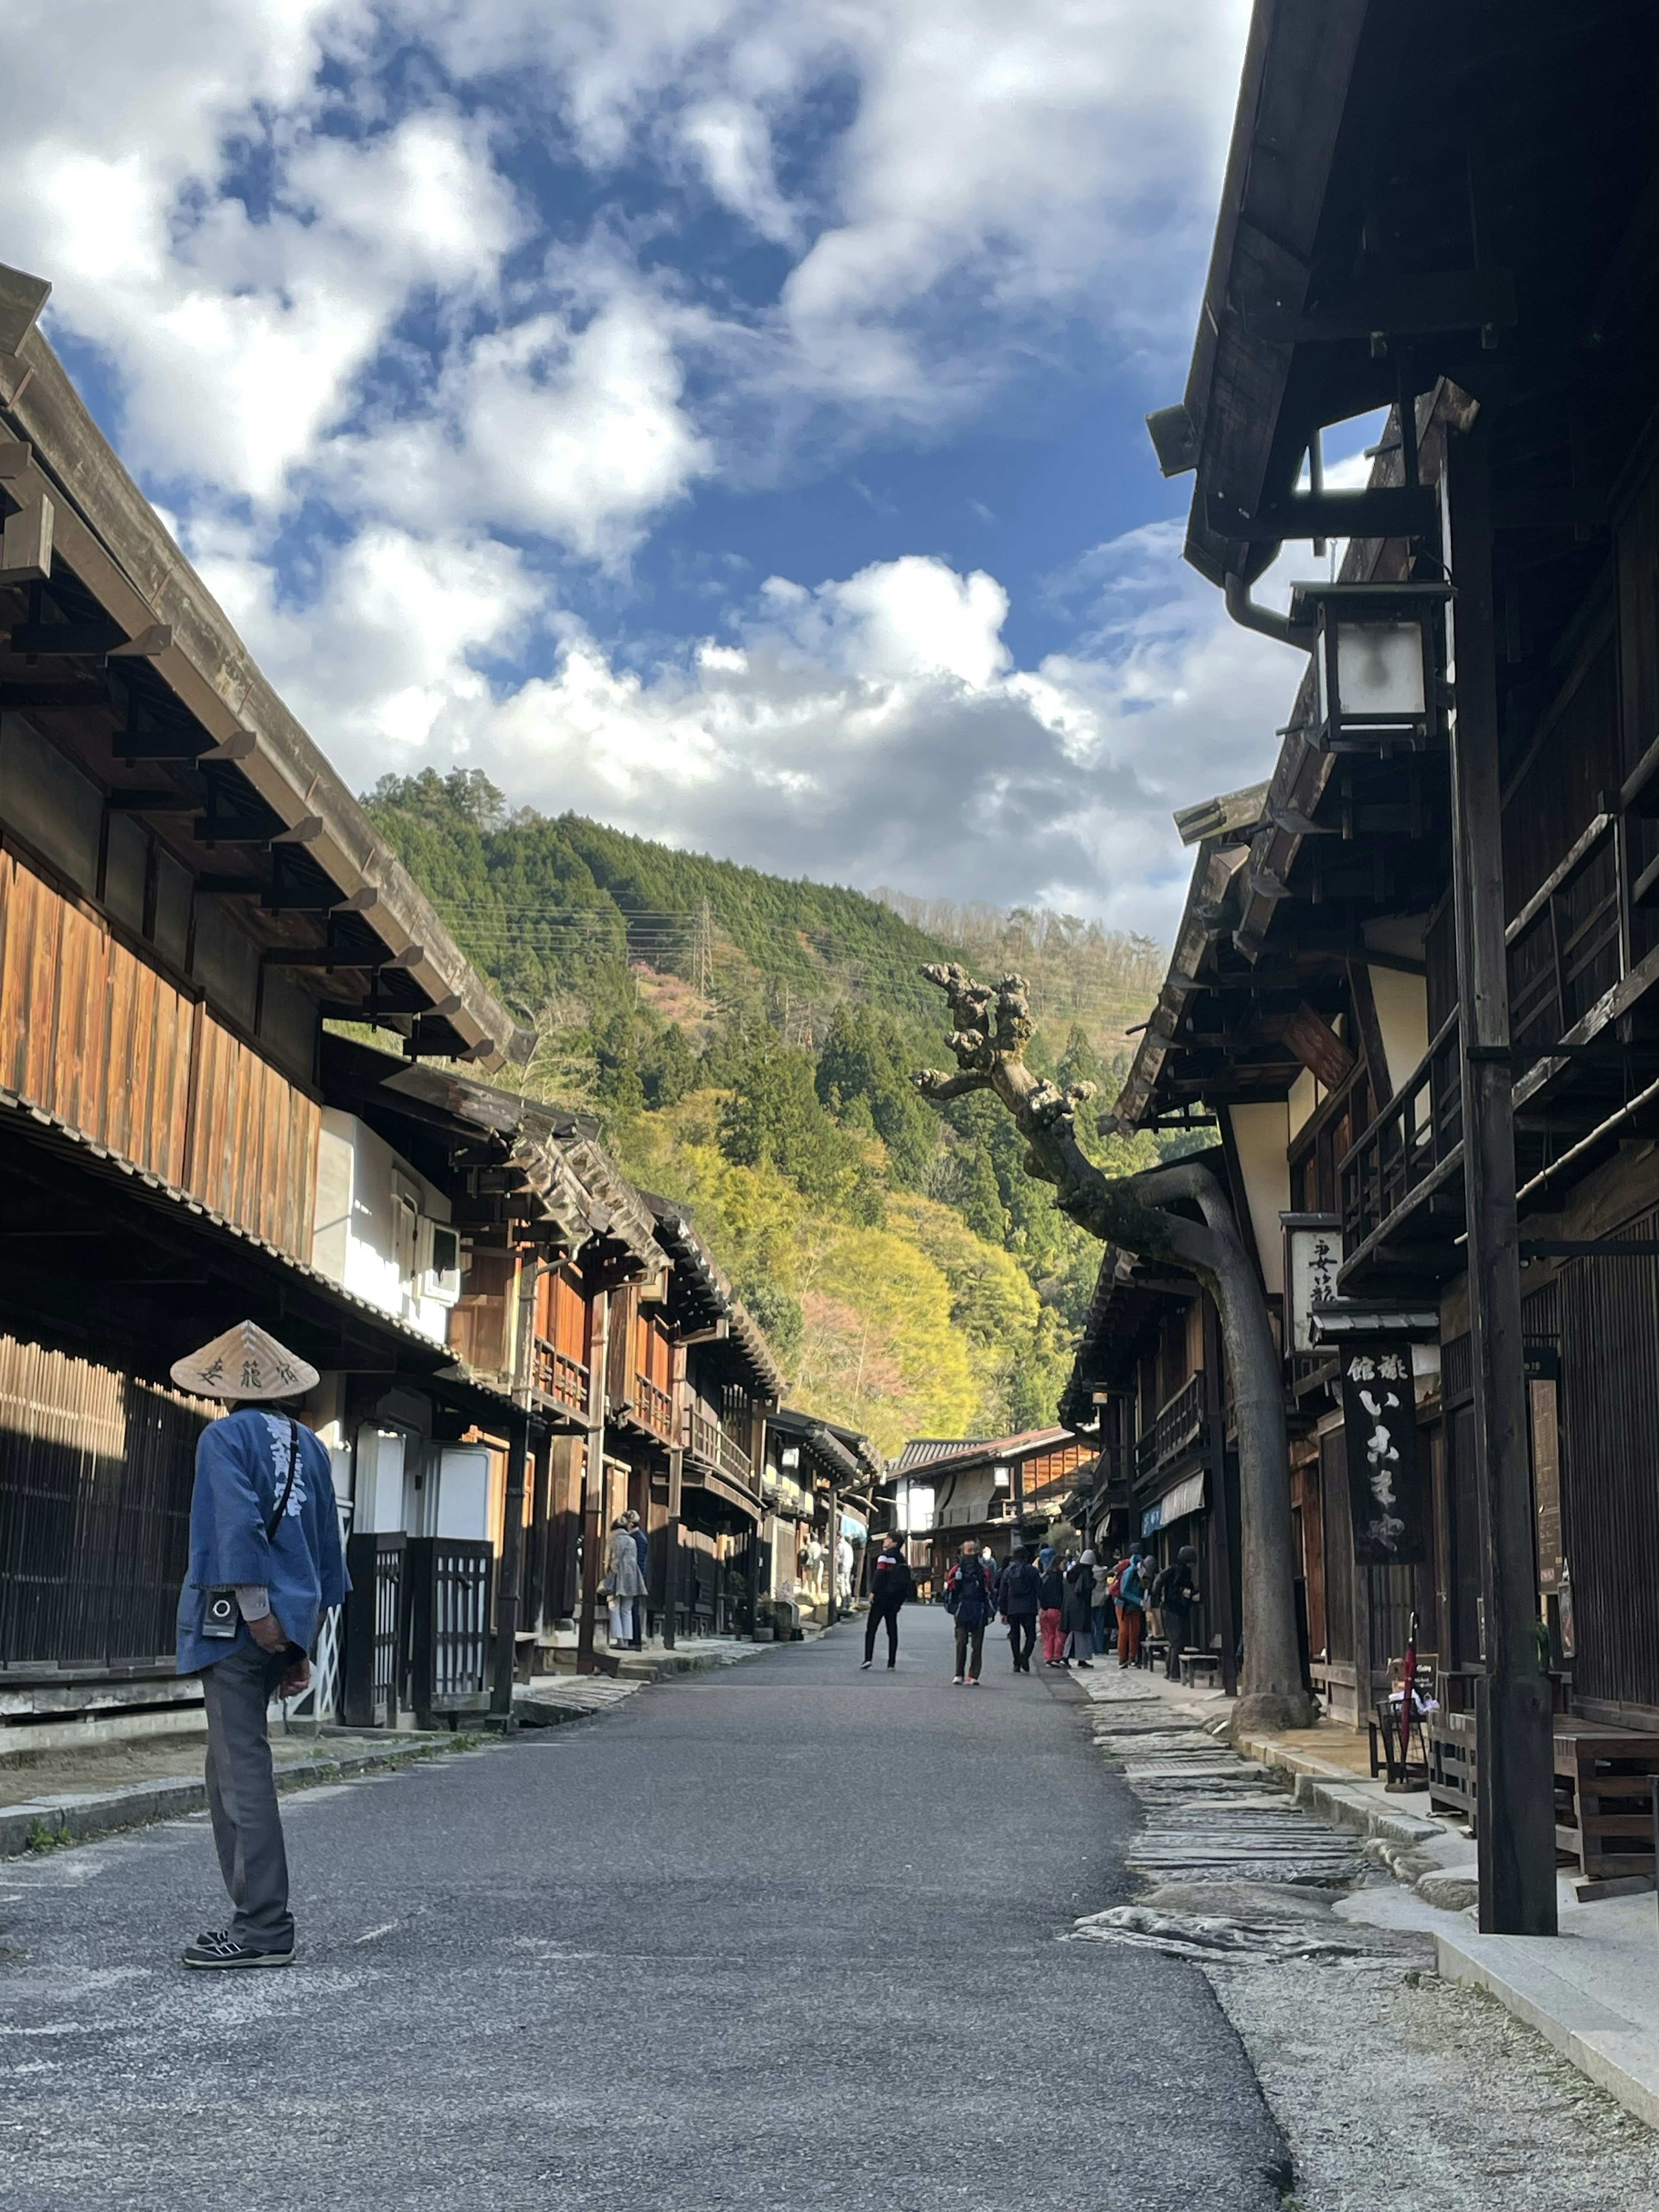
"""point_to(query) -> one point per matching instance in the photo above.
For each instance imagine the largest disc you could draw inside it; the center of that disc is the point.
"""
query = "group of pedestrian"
(1079, 1606)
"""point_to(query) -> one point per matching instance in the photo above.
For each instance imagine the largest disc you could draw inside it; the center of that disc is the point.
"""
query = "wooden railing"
(1179, 1425)
(653, 1408)
(711, 1445)
(561, 1378)
(1565, 945)
(1419, 1129)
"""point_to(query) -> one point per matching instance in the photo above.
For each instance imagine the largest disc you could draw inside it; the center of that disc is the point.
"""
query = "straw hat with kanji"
(246, 1362)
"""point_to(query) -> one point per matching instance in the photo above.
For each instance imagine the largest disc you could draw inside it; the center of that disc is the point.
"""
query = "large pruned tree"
(993, 1026)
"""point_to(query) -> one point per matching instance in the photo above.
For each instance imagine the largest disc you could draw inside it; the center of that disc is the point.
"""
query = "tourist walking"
(1050, 1602)
(968, 1596)
(1077, 1615)
(1019, 1590)
(623, 1584)
(265, 1567)
(1131, 1609)
(1176, 1595)
(1104, 1620)
(892, 1587)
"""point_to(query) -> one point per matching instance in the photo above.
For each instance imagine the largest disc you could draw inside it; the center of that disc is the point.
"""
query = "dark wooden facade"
(1463, 242)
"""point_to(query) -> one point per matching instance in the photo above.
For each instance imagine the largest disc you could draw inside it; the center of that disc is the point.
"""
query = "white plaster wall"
(1402, 1015)
(354, 1238)
(1302, 1103)
(1261, 1136)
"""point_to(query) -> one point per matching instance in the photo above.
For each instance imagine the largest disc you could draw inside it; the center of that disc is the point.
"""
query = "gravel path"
(1397, 2092)
(1401, 2092)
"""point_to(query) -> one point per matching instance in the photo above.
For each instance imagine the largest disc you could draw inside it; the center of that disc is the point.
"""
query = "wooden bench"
(1154, 1652)
(1200, 1661)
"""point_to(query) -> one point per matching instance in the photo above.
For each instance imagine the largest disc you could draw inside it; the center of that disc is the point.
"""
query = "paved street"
(780, 1934)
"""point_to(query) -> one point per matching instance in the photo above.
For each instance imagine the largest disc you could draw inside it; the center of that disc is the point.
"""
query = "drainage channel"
(1234, 1869)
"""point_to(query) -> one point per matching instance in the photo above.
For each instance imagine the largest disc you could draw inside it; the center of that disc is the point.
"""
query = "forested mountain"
(748, 1041)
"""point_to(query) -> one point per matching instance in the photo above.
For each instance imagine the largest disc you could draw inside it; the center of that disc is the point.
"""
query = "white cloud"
(868, 729)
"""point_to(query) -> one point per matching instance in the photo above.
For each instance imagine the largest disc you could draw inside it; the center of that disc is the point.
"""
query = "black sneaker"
(866, 1663)
(221, 1950)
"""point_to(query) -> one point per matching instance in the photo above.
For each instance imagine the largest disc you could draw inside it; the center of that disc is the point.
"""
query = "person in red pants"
(1051, 1599)
(1131, 1611)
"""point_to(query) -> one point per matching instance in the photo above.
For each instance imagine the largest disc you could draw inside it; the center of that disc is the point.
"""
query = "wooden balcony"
(654, 1409)
(711, 1445)
(560, 1378)
(1409, 1162)
(1178, 1428)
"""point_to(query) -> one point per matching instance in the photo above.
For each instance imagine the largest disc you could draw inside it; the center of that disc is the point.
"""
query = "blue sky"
(720, 417)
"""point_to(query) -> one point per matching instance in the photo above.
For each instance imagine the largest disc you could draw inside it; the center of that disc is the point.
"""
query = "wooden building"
(187, 893)
(1414, 984)
(1150, 1381)
(818, 1480)
(1000, 1490)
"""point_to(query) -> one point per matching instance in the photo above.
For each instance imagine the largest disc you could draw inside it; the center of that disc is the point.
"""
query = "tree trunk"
(993, 1026)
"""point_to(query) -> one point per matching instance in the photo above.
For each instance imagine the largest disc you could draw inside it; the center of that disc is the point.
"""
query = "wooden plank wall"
(91, 1034)
(252, 1140)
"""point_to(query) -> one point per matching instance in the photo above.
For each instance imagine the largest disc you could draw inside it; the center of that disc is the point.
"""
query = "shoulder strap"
(287, 1487)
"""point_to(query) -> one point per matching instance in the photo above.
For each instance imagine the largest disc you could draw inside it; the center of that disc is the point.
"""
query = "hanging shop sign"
(1385, 1484)
(1313, 1253)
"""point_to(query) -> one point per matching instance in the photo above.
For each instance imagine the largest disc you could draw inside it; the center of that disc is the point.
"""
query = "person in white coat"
(625, 1585)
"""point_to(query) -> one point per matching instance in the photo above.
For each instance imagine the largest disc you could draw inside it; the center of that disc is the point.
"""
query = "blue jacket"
(1020, 1591)
(1131, 1591)
(968, 1586)
(241, 1465)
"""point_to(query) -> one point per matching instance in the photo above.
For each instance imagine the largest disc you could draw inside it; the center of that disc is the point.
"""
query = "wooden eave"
(111, 541)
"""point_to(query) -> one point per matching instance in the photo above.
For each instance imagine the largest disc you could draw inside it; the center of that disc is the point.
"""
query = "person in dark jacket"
(642, 1546)
(1018, 1594)
(968, 1596)
(1176, 1595)
(891, 1586)
(1077, 1612)
(1051, 1598)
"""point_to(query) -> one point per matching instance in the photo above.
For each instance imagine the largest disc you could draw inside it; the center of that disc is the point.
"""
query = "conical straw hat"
(246, 1362)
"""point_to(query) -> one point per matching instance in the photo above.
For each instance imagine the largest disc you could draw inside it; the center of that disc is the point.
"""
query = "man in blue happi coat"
(265, 1565)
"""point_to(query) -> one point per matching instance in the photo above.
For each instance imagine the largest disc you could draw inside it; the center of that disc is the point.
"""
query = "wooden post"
(831, 1611)
(518, 1450)
(507, 1594)
(594, 1481)
(758, 1412)
(1517, 1800)
(1221, 1534)
(671, 1550)
(536, 1576)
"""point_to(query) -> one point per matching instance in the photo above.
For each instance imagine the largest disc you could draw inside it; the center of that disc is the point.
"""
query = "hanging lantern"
(1378, 661)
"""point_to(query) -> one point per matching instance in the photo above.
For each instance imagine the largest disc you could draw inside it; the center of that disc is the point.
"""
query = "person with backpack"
(1018, 1594)
(1077, 1615)
(1050, 1602)
(968, 1598)
(1176, 1595)
(891, 1586)
(1131, 1609)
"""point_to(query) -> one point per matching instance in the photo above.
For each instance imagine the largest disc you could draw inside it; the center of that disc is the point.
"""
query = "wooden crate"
(1604, 1798)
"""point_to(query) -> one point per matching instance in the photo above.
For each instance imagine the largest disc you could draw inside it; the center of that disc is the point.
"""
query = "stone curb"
(78, 1819)
(1333, 1792)
(1612, 2050)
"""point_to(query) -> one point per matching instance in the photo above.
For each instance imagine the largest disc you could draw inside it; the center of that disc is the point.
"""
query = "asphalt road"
(779, 1935)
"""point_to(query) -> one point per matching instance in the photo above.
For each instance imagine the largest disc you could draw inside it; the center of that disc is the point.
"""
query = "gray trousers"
(247, 1829)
